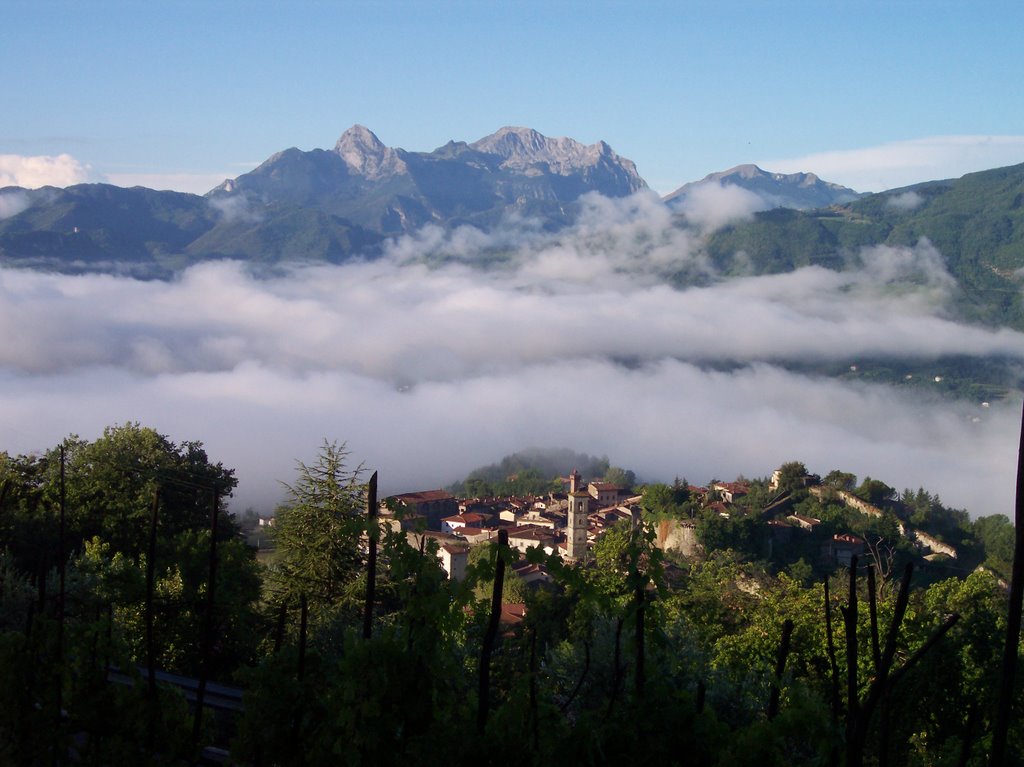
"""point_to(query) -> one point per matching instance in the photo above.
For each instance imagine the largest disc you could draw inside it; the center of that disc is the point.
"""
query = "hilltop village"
(793, 521)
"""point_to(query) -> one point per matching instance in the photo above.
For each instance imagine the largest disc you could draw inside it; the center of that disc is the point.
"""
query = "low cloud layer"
(12, 203)
(902, 163)
(574, 340)
(32, 172)
(711, 205)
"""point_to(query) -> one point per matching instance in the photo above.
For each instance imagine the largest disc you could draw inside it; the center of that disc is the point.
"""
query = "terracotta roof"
(733, 487)
(424, 496)
(512, 614)
(530, 533)
(853, 540)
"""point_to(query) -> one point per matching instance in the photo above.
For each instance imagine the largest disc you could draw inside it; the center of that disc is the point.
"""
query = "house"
(454, 558)
(476, 535)
(843, 548)
(730, 491)
(471, 519)
(540, 518)
(780, 531)
(605, 493)
(804, 523)
(531, 574)
(719, 508)
(529, 537)
(512, 614)
(452, 551)
(432, 504)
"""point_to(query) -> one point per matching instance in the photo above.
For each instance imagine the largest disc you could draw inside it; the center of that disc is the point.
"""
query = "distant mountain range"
(320, 205)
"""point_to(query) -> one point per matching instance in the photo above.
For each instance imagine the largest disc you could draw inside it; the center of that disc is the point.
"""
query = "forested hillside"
(976, 223)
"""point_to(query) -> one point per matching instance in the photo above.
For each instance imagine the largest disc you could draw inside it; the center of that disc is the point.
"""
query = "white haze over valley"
(428, 367)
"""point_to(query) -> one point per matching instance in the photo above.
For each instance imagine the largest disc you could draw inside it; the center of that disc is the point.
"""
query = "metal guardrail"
(216, 696)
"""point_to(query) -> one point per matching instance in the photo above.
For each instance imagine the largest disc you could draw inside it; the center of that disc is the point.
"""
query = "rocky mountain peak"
(523, 148)
(366, 155)
(777, 190)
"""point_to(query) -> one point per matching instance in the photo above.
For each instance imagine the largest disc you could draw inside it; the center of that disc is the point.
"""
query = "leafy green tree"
(112, 481)
(876, 492)
(996, 536)
(481, 560)
(665, 501)
(791, 476)
(624, 478)
(840, 480)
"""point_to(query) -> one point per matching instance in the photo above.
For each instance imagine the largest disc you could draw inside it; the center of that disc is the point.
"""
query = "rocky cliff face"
(366, 156)
(525, 150)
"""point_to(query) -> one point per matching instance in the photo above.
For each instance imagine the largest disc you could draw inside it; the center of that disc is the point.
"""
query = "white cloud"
(235, 208)
(33, 172)
(669, 419)
(12, 203)
(711, 205)
(569, 339)
(905, 201)
(902, 163)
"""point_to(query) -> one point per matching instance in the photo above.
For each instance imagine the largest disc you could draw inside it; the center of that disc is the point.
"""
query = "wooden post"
(639, 672)
(1004, 701)
(854, 750)
(373, 530)
(876, 652)
(150, 655)
(780, 669)
(491, 634)
(61, 593)
(204, 658)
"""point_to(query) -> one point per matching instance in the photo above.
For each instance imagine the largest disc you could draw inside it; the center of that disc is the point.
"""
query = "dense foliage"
(733, 657)
(537, 471)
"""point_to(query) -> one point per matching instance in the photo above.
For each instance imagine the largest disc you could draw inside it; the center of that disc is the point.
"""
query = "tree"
(319, 532)
(481, 560)
(111, 483)
(624, 478)
(876, 492)
(996, 535)
(661, 500)
(791, 476)
(840, 480)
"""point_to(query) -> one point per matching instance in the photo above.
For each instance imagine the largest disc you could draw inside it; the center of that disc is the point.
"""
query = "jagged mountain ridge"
(799, 191)
(389, 190)
(322, 204)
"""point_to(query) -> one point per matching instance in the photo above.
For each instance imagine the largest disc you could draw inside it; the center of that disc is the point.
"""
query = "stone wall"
(679, 536)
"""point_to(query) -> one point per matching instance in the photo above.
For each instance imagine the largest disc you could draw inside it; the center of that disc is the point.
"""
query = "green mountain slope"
(976, 223)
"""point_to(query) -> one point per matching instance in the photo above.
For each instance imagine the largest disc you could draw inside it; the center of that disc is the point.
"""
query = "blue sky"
(184, 94)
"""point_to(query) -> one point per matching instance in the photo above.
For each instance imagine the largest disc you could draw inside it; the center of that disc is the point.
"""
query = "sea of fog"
(428, 367)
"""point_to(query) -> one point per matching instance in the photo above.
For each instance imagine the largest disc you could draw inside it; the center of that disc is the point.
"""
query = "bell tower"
(576, 530)
(574, 482)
